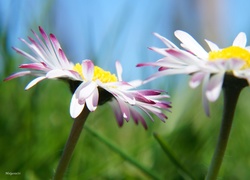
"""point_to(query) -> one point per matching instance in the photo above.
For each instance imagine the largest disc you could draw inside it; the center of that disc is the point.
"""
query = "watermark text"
(12, 173)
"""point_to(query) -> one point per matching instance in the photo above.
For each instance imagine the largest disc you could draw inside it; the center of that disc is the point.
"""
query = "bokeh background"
(34, 124)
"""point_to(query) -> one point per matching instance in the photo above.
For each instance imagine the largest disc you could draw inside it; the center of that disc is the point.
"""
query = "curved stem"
(71, 143)
(230, 100)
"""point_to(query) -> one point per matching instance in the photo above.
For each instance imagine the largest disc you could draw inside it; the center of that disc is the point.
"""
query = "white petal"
(135, 83)
(92, 100)
(214, 86)
(27, 55)
(185, 70)
(88, 69)
(240, 40)
(75, 107)
(56, 73)
(245, 74)
(191, 44)
(235, 64)
(196, 79)
(161, 51)
(212, 45)
(166, 41)
(34, 82)
(247, 48)
(119, 70)
(184, 57)
(86, 89)
(126, 97)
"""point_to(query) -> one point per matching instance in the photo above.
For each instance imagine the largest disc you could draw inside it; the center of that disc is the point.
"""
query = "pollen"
(232, 52)
(99, 74)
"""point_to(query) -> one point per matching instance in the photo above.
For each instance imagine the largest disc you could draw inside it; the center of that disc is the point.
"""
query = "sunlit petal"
(191, 44)
(240, 40)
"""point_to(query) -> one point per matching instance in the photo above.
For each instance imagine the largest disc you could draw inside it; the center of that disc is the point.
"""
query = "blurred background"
(34, 124)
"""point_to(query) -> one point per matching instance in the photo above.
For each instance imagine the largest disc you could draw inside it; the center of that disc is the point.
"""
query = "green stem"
(122, 154)
(230, 100)
(71, 143)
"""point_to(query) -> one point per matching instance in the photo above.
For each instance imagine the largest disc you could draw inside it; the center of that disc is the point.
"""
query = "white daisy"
(90, 85)
(204, 67)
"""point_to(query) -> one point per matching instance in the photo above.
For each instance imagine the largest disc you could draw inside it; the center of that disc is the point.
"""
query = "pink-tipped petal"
(143, 99)
(75, 107)
(138, 118)
(44, 35)
(196, 79)
(63, 57)
(55, 42)
(28, 56)
(88, 69)
(19, 74)
(214, 87)
(162, 68)
(165, 41)
(161, 51)
(117, 112)
(184, 70)
(151, 92)
(35, 66)
(146, 64)
(124, 109)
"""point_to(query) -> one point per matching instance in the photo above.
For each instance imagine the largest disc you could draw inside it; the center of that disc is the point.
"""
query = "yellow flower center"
(230, 53)
(99, 73)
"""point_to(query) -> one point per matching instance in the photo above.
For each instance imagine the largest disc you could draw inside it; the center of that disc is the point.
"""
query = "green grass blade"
(183, 171)
(122, 154)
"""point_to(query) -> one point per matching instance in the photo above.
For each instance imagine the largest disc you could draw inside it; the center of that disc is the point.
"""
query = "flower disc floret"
(99, 73)
(232, 52)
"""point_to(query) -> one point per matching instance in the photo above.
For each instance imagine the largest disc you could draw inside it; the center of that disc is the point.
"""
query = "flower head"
(204, 67)
(91, 85)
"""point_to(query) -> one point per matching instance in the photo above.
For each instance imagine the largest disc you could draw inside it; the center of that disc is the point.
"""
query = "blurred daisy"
(90, 85)
(204, 67)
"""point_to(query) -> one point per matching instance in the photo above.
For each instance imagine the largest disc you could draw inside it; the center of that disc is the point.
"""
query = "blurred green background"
(34, 124)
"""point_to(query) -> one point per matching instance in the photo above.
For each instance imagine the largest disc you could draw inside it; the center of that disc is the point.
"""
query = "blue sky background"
(106, 31)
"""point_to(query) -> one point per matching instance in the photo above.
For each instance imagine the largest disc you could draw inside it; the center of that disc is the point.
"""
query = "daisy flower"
(91, 85)
(211, 68)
